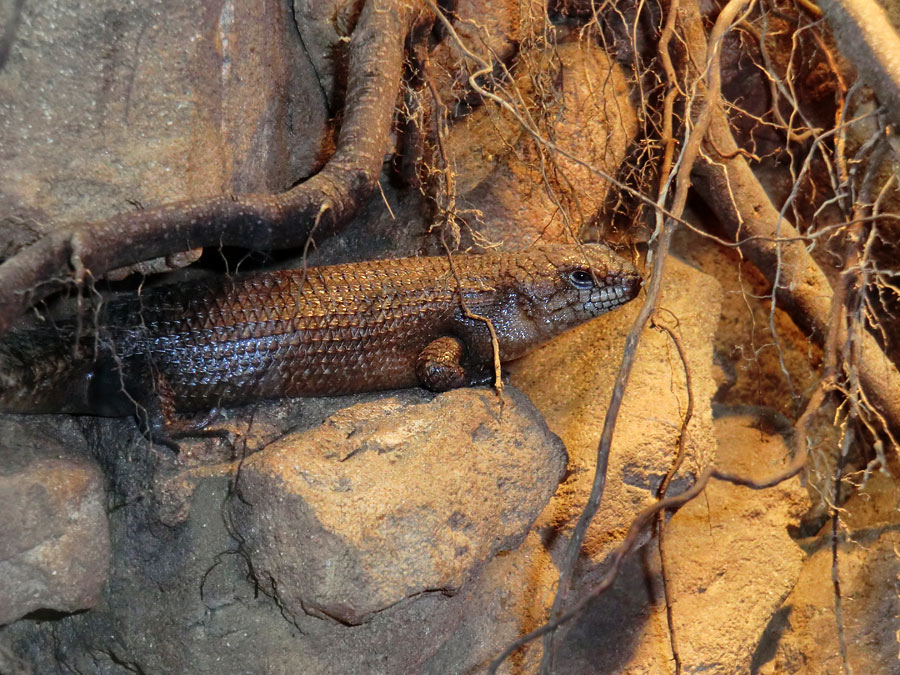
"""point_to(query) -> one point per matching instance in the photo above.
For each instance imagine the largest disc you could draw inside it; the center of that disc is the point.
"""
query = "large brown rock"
(729, 561)
(729, 555)
(54, 539)
(570, 381)
(109, 104)
(419, 501)
(394, 498)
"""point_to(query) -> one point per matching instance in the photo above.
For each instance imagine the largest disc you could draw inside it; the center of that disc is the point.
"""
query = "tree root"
(728, 185)
(261, 222)
(774, 245)
(867, 38)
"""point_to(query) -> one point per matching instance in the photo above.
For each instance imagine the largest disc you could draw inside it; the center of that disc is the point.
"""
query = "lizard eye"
(581, 279)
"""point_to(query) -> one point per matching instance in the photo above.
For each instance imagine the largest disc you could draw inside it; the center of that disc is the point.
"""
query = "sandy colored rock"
(805, 637)
(743, 342)
(391, 499)
(729, 555)
(570, 381)
(730, 562)
(54, 539)
(520, 204)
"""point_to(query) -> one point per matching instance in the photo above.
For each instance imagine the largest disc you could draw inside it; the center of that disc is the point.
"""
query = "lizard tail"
(43, 370)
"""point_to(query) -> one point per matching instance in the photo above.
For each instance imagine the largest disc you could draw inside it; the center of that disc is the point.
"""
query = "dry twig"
(733, 192)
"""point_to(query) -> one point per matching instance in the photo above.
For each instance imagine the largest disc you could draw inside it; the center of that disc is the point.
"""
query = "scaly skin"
(384, 324)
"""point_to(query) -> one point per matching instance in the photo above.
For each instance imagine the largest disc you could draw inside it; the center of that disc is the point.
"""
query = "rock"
(519, 204)
(514, 589)
(185, 598)
(730, 563)
(148, 103)
(804, 639)
(570, 381)
(392, 499)
(54, 539)
(755, 368)
(729, 555)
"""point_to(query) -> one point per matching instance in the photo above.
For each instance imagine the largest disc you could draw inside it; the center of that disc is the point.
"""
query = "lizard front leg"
(442, 365)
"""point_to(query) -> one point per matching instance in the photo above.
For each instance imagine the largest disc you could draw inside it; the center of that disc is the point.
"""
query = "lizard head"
(556, 287)
(580, 282)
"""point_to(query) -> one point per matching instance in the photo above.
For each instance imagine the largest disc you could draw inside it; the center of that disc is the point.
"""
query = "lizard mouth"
(632, 285)
(615, 295)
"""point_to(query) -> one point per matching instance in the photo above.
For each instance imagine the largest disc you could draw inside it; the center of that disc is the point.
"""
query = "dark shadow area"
(768, 644)
(605, 637)
(46, 614)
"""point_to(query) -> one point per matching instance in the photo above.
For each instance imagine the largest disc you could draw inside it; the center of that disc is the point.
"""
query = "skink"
(385, 324)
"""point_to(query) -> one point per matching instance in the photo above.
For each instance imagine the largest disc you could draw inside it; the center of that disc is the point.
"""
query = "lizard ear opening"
(581, 278)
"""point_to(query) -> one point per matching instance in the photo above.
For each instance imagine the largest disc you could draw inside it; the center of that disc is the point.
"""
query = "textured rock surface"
(54, 539)
(803, 636)
(730, 563)
(570, 382)
(729, 556)
(149, 102)
(392, 499)
(184, 599)
(519, 198)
